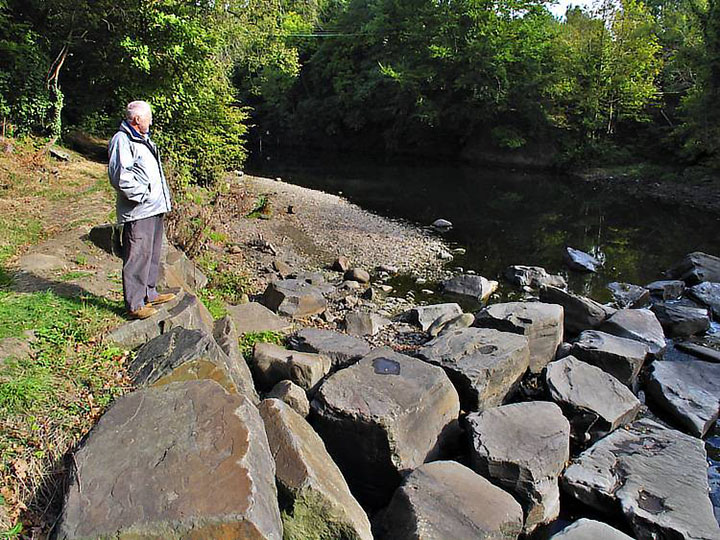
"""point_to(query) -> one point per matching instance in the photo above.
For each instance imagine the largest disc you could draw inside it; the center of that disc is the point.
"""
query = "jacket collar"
(133, 133)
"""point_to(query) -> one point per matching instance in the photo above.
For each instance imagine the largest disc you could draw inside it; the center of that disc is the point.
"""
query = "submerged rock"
(620, 357)
(187, 460)
(695, 268)
(580, 261)
(318, 501)
(681, 321)
(595, 402)
(639, 324)
(382, 417)
(656, 476)
(541, 324)
(343, 350)
(580, 313)
(627, 295)
(688, 391)
(444, 500)
(485, 365)
(523, 448)
(533, 277)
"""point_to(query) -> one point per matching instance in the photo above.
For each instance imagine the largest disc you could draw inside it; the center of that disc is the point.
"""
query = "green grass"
(223, 286)
(74, 275)
(248, 341)
(261, 207)
(16, 232)
(215, 304)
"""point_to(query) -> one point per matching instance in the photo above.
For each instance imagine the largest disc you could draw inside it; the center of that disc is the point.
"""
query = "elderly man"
(143, 198)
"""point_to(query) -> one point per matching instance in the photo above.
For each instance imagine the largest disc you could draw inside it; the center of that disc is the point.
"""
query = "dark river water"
(504, 217)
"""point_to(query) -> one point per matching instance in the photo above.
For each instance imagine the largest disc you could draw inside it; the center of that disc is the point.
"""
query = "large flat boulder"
(485, 365)
(272, 364)
(627, 295)
(318, 502)
(444, 500)
(581, 313)
(656, 476)
(595, 402)
(294, 298)
(186, 460)
(343, 350)
(186, 355)
(589, 529)
(681, 321)
(226, 336)
(540, 323)
(185, 311)
(639, 324)
(533, 277)
(689, 392)
(425, 316)
(620, 357)
(708, 294)
(254, 317)
(471, 287)
(382, 417)
(523, 448)
(695, 268)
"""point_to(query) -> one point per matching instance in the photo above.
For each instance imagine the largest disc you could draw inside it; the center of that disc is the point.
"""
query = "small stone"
(420, 281)
(477, 288)
(580, 261)
(389, 269)
(385, 288)
(442, 224)
(293, 395)
(294, 298)
(351, 285)
(364, 324)
(357, 274)
(533, 277)
(341, 264)
(425, 316)
(272, 363)
(282, 268)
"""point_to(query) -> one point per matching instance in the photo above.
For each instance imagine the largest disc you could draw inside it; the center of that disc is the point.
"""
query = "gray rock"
(341, 264)
(444, 500)
(283, 269)
(627, 295)
(666, 289)
(108, 237)
(425, 316)
(581, 313)
(708, 294)
(185, 311)
(476, 288)
(533, 277)
(688, 391)
(59, 154)
(563, 350)
(294, 298)
(450, 323)
(160, 455)
(681, 321)
(254, 317)
(622, 358)
(485, 365)
(595, 402)
(588, 529)
(541, 324)
(440, 323)
(293, 395)
(226, 336)
(357, 274)
(176, 270)
(382, 417)
(656, 476)
(638, 324)
(272, 364)
(523, 448)
(342, 349)
(186, 355)
(695, 268)
(580, 261)
(442, 224)
(320, 504)
(700, 351)
(361, 323)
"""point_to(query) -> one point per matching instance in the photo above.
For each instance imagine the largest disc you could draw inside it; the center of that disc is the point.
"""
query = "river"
(503, 217)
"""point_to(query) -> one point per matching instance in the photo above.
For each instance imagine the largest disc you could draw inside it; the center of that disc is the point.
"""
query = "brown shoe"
(143, 313)
(162, 298)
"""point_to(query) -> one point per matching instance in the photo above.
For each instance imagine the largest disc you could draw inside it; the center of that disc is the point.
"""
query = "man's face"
(143, 123)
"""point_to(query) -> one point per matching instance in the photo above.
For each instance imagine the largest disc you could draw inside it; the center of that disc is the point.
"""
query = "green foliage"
(248, 341)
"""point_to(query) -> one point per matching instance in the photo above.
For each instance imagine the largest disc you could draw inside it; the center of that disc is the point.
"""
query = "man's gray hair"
(137, 108)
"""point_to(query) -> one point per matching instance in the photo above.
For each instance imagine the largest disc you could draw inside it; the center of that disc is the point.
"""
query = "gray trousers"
(142, 242)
